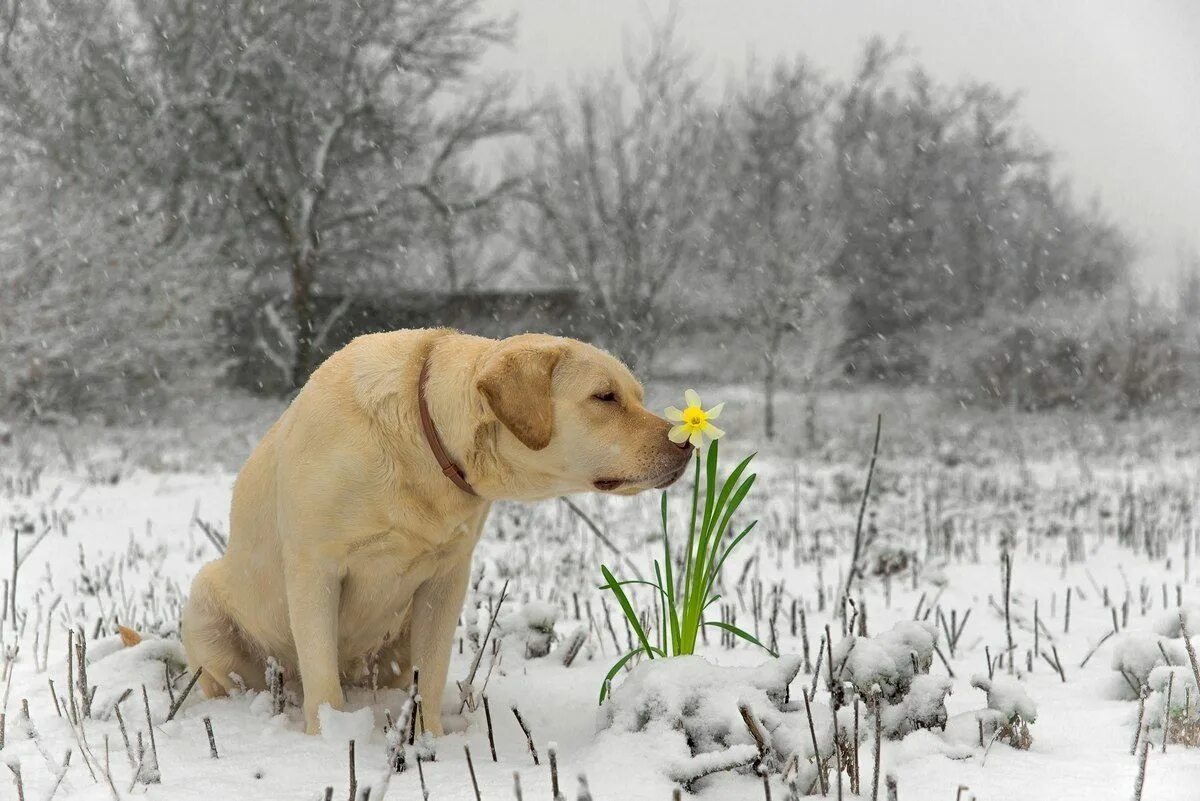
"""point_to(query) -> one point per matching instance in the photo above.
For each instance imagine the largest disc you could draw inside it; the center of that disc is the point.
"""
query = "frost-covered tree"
(314, 135)
(623, 188)
(950, 212)
(782, 232)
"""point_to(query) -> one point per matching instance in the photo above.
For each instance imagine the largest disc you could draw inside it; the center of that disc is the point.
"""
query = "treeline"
(167, 157)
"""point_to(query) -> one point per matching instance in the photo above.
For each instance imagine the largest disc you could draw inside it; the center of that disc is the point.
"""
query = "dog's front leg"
(437, 605)
(314, 596)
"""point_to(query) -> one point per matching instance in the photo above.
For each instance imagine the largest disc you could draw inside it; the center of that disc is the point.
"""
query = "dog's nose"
(685, 446)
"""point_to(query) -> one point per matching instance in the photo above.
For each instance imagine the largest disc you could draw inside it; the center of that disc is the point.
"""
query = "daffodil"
(693, 422)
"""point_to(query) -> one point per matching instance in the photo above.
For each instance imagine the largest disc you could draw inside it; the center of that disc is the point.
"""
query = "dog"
(353, 521)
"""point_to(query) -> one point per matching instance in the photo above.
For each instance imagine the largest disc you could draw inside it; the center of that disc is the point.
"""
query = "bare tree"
(783, 233)
(623, 189)
(1187, 278)
(321, 130)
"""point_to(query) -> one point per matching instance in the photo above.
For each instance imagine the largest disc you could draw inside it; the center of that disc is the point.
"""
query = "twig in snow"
(752, 725)
(1140, 781)
(59, 775)
(466, 686)
(1137, 732)
(812, 732)
(856, 556)
(1167, 709)
(528, 737)
(554, 793)
(624, 557)
(487, 713)
(155, 775)
(16, 769)
(212, 743)
(1096, 647)
(876, 692)
(471, 768)
(1191, 650)
(183, 696)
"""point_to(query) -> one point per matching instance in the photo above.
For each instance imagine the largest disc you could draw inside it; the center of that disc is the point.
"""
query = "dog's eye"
(605, 397)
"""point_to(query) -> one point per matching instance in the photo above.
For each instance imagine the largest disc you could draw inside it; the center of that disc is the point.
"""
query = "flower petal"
(697, 439)
(713, 431)
(692, 398)
(715, 411)
(673, 414)
(678, 434)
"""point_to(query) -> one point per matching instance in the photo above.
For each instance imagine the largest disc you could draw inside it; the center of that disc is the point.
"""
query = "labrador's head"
(570, 419)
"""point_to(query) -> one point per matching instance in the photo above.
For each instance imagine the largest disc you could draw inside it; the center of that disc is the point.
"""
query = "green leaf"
(630, 581)
(711, 483)
(687, 553)
(670, 615)
(729, 484)
(745, 635)
(734, 503)
(628, 609)
(728, 550)
(613, 672)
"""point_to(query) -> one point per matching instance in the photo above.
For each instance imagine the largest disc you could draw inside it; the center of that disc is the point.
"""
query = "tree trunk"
(302, 310)
(770, 359)
(810, 418)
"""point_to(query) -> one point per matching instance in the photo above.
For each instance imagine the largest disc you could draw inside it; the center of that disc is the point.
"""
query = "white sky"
(1111, 86)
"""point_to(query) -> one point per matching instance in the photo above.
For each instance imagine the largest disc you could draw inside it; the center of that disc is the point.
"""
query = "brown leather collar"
(449, 469)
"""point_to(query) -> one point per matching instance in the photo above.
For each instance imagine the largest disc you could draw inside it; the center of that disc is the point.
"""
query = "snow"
(340, 727)
(127, 550)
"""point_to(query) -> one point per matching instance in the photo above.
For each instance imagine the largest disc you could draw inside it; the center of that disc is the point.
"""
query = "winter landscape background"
(201, 199)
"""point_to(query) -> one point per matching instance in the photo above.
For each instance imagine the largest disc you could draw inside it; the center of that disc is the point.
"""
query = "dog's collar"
(449, 469)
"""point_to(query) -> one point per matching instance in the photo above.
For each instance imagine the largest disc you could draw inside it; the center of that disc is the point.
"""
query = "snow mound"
(1009, 711)
(692, 708)
(890, 659)
(1006, 696)
(531, 627)
(923, 707)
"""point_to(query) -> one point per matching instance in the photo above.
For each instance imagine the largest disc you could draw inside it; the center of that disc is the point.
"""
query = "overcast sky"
(1112, 87)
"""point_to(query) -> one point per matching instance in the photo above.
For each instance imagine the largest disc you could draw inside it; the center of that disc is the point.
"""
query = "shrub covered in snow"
(898, 662)
(1137, 654)
(691, 707)
(922, 707)
(1009, 711)
(531, 627)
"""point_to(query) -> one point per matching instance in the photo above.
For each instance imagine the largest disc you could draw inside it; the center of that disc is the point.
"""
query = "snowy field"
(101, 546)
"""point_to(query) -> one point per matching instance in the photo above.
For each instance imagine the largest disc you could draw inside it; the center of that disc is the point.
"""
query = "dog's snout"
(685, 446)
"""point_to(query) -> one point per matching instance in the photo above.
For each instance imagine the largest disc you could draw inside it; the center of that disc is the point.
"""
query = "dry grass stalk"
(152, 774)
(183, 697)
(878, 742)
(471, 770)
(16, 770)
(1007, 557)
(1140, 781)
(528, 736)
(812, 732)
(212, 742)
(554, 793)
(466, 686)
(487, 713)
(1191, 650)
(1137, 732)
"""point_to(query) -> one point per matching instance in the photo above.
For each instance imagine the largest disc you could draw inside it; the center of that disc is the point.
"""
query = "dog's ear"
(515, 380)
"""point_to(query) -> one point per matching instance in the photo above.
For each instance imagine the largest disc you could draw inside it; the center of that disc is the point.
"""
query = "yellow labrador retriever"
(353, 521)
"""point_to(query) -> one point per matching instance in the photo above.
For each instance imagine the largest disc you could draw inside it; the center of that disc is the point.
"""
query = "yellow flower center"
(694, 417)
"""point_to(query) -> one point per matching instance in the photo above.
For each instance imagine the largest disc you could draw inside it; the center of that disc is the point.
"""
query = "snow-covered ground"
(122, 548)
